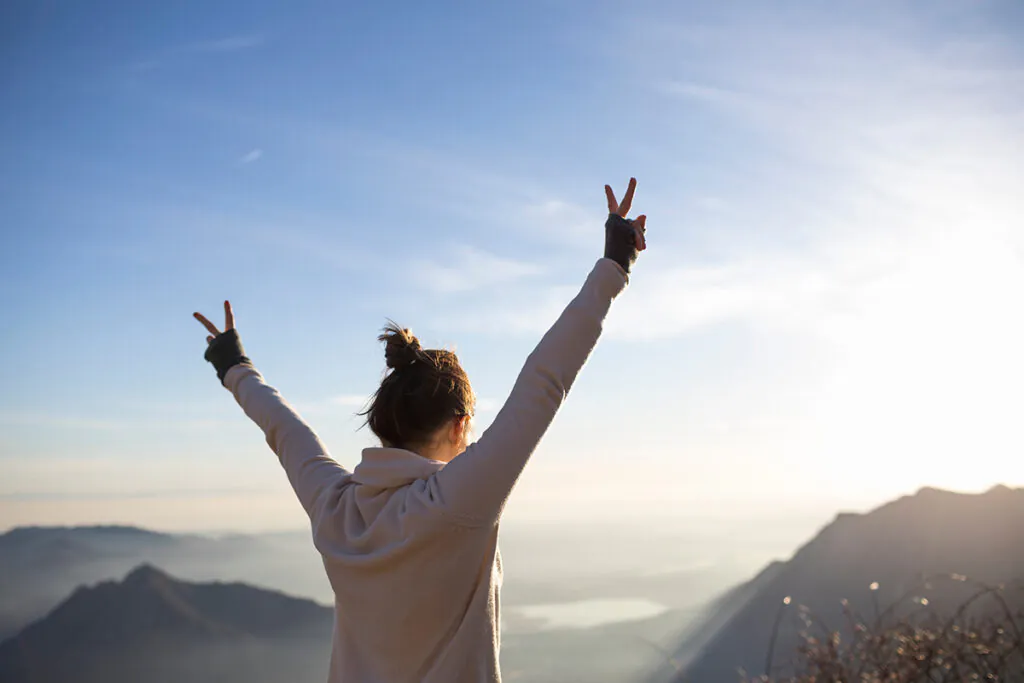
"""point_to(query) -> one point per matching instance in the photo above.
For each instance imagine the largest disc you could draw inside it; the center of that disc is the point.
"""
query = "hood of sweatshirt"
(393, 467)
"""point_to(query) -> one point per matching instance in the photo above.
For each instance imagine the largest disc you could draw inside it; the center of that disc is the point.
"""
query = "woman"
(409, 538)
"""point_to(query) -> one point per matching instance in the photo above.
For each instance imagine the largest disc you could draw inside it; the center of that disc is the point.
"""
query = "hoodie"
(410, 545)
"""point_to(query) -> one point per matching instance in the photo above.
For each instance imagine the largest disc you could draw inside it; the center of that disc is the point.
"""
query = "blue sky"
(829, 313)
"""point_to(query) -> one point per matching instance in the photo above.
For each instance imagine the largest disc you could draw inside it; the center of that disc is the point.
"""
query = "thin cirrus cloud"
(331, 405)
(177, 53)
(251, 156)
(469, 268)
(349, 400)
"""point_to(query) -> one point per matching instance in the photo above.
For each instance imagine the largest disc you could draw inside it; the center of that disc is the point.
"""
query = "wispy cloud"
(224, 45)
(522, 310)
(465, 268)
(714, 95)
(251, 156)
(337, 404)
(487, 405)
(348, 400)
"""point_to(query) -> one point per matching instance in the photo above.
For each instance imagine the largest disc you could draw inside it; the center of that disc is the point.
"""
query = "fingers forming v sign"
(229, 322)
(623, 210)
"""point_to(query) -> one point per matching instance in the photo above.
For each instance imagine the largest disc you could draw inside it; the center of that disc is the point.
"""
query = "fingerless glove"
(225, 352)
(620, 241)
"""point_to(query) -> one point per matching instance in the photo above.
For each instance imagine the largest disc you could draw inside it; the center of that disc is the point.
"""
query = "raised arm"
(473, 487)
(310, 469)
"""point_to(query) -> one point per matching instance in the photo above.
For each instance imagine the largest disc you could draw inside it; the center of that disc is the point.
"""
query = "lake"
(590, 613)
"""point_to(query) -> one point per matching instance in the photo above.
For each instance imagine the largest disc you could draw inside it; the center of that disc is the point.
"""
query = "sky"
(829, 314)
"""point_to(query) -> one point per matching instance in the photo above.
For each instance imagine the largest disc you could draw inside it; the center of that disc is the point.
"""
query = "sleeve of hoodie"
(472, 488)
(310, 469)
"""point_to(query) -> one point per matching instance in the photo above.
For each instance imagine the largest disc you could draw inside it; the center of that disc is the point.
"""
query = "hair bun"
(401, 348)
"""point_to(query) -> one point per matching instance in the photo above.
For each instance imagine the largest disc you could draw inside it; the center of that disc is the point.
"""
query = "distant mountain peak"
(1002, 490)
(932, 491)
(146, 572)
(147, 580)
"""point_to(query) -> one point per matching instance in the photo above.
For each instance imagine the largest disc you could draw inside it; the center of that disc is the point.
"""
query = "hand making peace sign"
(623, 210)
(624, 239)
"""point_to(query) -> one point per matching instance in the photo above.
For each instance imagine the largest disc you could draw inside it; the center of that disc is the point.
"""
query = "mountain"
(679, 568)
(153, 627)
(872, 560)
(40, 566)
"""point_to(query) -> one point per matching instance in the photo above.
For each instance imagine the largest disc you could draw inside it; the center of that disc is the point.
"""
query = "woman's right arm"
(311, 471)
(473, 487)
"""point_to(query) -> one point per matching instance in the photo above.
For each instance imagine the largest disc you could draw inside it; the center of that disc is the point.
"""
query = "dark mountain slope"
(931, 533)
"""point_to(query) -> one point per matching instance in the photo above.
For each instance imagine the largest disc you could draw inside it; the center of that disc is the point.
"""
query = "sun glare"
(926, 386)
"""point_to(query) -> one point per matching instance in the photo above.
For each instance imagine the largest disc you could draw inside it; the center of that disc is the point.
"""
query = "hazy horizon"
(146, 511)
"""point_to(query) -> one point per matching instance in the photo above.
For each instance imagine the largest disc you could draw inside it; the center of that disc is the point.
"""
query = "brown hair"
(423, 389)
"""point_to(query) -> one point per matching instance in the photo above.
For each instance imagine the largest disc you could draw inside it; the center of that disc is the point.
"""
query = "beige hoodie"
(410, 545)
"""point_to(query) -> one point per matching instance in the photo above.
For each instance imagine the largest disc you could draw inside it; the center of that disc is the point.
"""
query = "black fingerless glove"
(225, 352)
(620, 241)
